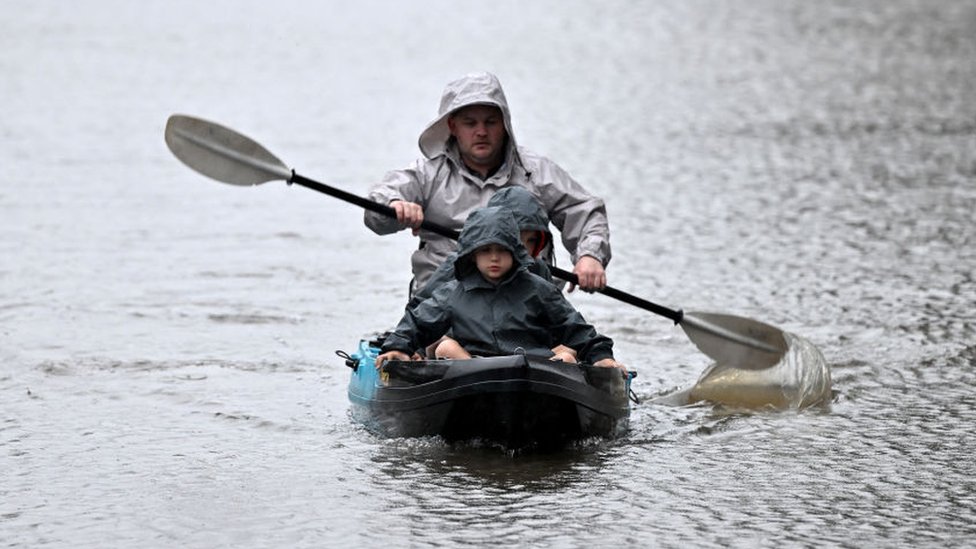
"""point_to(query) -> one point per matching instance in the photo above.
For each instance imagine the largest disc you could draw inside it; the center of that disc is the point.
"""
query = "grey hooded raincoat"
(448, 191)
(523, 311)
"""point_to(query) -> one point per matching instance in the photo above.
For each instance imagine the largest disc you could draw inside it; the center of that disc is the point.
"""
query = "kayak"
(516, 401)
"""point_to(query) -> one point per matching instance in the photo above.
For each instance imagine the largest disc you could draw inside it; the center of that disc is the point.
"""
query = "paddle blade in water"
(735, 341)
(802, 378)
(221, 153)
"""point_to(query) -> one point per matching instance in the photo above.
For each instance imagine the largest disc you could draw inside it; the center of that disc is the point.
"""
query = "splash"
(800, 379)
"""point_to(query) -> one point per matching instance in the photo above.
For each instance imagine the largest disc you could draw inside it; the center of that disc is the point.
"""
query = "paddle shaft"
(620, 295)
(365, 203)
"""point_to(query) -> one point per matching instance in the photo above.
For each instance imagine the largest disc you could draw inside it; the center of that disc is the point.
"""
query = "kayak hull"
(516, 401)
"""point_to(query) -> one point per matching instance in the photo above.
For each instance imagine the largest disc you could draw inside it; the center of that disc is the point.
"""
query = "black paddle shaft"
(365, 203)
(609, 291)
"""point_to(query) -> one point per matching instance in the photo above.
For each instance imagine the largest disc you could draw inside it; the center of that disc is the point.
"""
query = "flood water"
(167, 366)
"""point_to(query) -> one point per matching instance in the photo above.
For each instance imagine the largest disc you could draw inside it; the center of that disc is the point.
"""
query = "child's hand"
(390, 355)
(611, 363)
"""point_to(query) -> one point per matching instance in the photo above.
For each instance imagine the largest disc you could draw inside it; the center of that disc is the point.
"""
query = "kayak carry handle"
(350, 361)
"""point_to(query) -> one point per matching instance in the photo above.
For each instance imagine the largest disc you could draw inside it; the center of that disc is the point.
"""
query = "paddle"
(227, 156)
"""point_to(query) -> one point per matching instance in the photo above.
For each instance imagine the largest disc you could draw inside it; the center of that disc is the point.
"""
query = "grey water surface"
(167, 366)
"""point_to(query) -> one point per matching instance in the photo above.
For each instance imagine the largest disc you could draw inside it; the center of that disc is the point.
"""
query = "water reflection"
(474, 463)
(471, 494)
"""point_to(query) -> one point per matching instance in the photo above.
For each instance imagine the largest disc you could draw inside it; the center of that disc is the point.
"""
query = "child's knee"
(448, 348)
(564, 354)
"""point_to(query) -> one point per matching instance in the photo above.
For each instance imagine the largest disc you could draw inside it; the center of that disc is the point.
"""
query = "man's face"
(480, 134)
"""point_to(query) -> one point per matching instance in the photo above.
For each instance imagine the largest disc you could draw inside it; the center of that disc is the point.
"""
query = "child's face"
(530, 239)
(493, 261)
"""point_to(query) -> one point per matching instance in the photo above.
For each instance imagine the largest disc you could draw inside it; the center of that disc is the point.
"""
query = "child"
(495, 306)
(533, 224)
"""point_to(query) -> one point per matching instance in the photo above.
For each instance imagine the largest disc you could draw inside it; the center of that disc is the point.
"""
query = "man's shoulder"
(431, 163)
(528, 156)
(539, 164)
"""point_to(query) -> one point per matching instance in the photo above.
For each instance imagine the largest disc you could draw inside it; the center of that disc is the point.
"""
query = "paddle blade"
(735, 341)
(221, 153)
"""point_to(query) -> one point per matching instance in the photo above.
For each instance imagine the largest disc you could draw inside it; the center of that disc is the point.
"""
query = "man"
(470, 152)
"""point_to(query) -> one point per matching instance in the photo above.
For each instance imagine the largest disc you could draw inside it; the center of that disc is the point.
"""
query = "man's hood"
(479, 88)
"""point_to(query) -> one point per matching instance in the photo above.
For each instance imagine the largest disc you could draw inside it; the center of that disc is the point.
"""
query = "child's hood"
(490, 225)
(528, 212)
